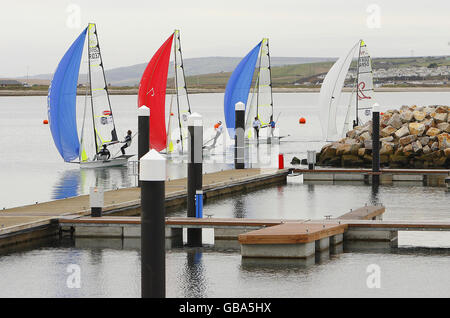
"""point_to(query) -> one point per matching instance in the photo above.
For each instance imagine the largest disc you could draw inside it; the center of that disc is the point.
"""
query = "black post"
(143, 131)
(153, 254)
(195, 171)
(239, 146)
(376, 144)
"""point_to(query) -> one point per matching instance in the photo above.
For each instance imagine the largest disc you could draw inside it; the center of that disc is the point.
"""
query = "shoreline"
(134, 91)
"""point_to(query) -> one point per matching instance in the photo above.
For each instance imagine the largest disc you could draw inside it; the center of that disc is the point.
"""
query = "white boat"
(98, 127)
(359, 107)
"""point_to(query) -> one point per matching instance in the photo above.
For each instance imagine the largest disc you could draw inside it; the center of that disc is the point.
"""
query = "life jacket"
(216, 126)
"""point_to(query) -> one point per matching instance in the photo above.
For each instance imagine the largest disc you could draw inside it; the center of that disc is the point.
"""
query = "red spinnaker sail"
(152, 93)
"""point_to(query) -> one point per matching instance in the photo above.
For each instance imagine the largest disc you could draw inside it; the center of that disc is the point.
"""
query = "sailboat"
(359, 107)
(239, 86)
(152, 93)
(98, 127)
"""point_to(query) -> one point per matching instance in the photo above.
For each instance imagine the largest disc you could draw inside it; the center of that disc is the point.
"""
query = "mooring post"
(239, 146)
(195, 172)
(153, 254)
(143, 131)
(376, 144)
(96, 200)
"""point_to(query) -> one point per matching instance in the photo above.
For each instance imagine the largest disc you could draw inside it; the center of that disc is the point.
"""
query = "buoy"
(171, 114)
(302, 121)
(45, 122)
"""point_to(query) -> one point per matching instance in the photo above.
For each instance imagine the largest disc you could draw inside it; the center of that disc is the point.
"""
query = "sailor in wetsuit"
(104, 154)
(127, 142)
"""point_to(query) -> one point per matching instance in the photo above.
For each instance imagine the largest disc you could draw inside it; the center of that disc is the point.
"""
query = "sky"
(36, 34)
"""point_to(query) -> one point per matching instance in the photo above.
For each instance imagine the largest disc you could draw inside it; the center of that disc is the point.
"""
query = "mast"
(90, 87)
(356, 122)
(270, 77)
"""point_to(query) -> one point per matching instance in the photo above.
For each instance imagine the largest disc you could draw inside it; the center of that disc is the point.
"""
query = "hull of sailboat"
(120, 161)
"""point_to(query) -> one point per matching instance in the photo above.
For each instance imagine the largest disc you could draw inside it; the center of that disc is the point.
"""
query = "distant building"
(10, 83)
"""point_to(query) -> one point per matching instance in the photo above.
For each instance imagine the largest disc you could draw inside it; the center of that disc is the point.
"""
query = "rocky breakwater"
(412, 137)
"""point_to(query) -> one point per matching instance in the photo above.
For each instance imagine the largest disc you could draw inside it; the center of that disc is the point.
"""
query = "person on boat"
(257, 126)
(127, 142)
(272, 126)
(219, 129)
(104, 153)
(179, 147)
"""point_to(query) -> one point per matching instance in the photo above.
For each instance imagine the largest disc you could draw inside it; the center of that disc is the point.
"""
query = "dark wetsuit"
(127, 144)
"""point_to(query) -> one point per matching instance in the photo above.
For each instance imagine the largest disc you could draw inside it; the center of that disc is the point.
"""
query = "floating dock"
(430, 177)
(39, 220)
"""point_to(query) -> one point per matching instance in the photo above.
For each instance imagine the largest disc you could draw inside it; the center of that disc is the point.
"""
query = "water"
(35, 172)
(32, 170)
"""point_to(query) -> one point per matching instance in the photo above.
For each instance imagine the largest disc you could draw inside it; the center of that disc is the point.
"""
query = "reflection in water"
(67, 185)
(193, 280)
(76, 182)
(374, 198)
(239, 207)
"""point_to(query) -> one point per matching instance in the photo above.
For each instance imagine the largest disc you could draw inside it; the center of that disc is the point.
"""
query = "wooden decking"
(292, 233)
(215, 184)
(364, 213)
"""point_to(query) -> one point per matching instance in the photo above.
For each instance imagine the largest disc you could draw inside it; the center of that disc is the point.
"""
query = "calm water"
(35, 172)
(32, 170)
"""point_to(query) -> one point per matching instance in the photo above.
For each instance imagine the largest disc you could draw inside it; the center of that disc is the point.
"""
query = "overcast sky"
(37, 33)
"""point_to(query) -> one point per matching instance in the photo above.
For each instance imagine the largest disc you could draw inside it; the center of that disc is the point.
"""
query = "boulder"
(416, 129)
(432, 131)
(419, 115)
(406, 116)
(386, 148)
(395, 121)
(442, 109)
(424, 140)
(389, 130)
(408, 148)
(387, 139)
(444, 141)
(445, 127)
(365, 136)
(362, 152)
(435, 146)
(417, 146)
(428, 110)
(426, 149)
(351, 161)
(402, 132)
(343, 149)
(407, 140)
(440, 117)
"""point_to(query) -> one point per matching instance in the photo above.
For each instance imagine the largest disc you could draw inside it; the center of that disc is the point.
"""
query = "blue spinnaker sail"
(238, 87)
(62, 95)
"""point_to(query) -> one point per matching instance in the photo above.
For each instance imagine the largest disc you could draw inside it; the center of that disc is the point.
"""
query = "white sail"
(103, 120)
(365, 85)
(330, 93)
(183, 106)
(264, 93)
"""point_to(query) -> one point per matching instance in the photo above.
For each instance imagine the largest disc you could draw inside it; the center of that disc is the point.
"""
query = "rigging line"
(104, 79)
(175, 38)
(357, 81)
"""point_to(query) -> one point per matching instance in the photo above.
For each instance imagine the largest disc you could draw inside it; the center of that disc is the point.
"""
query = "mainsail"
(102, 116)
(183, 106)
(238, 86)
(364, 99)
(152, 93)
(330, 93)
(62, 101)
(261, 102)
